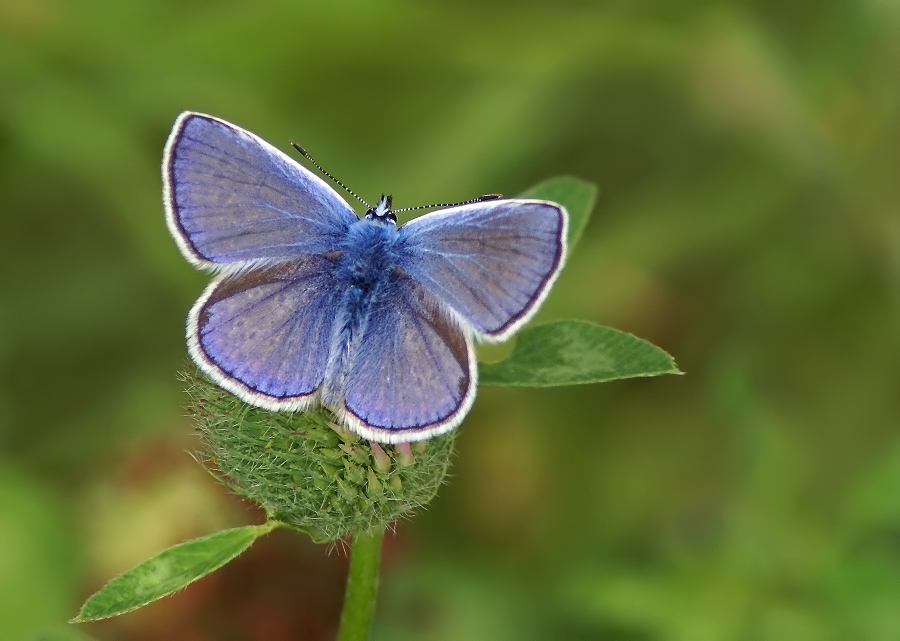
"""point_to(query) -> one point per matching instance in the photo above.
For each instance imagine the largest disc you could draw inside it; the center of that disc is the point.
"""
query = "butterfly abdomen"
(366, 265)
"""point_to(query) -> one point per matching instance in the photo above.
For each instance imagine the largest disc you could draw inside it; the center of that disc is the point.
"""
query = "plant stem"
(362, 583)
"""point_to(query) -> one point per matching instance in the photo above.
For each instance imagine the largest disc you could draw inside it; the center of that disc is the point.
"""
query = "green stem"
(362, 583)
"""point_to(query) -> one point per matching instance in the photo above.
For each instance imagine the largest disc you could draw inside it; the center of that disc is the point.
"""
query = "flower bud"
(308, 472)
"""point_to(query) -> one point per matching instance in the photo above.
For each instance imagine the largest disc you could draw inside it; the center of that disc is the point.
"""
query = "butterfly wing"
(413, 371)
(258, 333)
(492, 262)
(231, 197)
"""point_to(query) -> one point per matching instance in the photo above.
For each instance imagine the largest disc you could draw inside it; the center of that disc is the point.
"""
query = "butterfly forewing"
(233, 198)
(492, 262)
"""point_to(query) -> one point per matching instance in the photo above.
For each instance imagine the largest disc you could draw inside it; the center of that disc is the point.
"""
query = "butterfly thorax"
(368, 253)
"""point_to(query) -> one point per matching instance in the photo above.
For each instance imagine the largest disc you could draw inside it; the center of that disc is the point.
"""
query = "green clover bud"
(308, 472)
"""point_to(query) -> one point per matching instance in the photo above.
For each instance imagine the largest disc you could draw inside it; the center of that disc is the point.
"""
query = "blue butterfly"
(313, 304)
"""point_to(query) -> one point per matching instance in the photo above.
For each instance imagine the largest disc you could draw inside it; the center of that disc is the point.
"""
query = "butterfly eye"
(390, 218)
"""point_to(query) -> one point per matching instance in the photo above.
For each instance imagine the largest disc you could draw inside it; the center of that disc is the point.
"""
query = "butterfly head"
(381, 212)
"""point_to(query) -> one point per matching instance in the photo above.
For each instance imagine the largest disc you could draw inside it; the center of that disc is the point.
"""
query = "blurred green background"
(748, 155)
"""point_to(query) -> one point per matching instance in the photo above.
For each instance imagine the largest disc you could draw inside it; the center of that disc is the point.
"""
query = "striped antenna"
(480, 199)
(306, 155)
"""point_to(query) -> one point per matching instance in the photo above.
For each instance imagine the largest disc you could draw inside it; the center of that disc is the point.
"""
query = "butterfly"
(312, 303)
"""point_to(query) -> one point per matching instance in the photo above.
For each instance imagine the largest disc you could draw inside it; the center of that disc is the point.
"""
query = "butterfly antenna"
(480, 199)
(306, 155)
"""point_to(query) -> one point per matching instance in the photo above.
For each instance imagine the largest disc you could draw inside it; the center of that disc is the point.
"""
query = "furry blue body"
(363, 275)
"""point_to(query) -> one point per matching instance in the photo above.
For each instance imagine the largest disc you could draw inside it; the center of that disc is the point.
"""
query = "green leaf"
(169, 571)
(572, 352)
(577, 196)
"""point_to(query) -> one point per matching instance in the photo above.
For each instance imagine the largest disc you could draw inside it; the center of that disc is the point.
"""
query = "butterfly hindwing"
(231, 197)
(492, 262)
(259, 333)
(413, 372)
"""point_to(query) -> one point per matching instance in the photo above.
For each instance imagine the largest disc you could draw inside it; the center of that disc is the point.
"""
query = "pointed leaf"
(572, 352)
(577, 196)
(169, 571)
